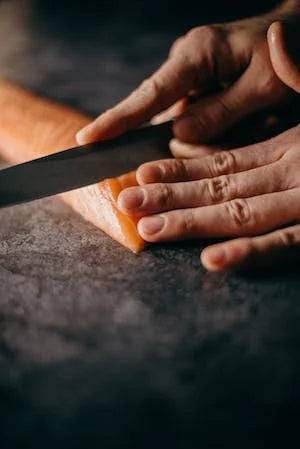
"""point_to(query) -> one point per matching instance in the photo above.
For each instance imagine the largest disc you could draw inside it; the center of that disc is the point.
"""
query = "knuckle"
(205, 34)
(150, 91)
(188, 223)
(244, 246)
(178, 169)
(147, 86)
(248, 246)
(165, 196)
(209, 38)
(239, 212)
(287, 237)
(289, 173)
(177, 45)
(221, 189)
(223, 163)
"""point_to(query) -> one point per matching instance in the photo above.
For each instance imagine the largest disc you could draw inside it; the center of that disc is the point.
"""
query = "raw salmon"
(31, 127)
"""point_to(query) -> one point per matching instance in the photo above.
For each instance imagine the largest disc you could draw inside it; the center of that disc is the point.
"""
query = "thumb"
(283, 64)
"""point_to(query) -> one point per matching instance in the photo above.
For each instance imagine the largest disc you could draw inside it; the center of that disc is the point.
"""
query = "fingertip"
(173, 146)
(225, 256)
(83, 136)
(150, 227)
(130, 200)
(182, 150)
(212, 258)
(176, 146)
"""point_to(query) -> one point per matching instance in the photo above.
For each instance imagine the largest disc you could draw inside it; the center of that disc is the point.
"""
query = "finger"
(285, 68)
(247, 131)
(190, 66)
(191, 151)
(255, 128)
(156, 198)
(239, 135)
(172, 112)
(180, 106)
(220, 163)
(270, 249)
(239, 217)
(157, 93)
(253, 91)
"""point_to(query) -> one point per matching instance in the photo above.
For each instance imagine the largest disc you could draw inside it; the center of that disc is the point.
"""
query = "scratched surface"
(102, 348)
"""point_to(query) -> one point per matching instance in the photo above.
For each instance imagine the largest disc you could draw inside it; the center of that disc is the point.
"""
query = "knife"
(83, 165)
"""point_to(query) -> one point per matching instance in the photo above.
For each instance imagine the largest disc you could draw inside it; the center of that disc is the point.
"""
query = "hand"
(226, 67)
(284, 54)
(245, 193)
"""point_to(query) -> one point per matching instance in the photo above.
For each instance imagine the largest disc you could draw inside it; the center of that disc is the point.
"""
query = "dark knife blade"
(84, 165)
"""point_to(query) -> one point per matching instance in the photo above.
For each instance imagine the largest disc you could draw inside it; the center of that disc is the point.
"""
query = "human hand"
(227, 67)
(285, 59)
(252, 193)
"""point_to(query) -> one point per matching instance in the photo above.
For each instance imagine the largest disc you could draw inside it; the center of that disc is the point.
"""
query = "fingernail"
(82, 135)
(273, 36)
(131, 199)
(151, 173)
(187, 129)
(152, 225)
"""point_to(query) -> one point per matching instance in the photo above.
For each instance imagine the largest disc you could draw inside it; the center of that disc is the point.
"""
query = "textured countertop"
(103, 348)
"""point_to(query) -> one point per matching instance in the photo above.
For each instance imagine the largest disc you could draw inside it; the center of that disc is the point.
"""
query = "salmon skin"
(32, 127)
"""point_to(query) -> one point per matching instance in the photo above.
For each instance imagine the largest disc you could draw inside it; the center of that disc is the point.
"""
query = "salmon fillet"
(32, 127)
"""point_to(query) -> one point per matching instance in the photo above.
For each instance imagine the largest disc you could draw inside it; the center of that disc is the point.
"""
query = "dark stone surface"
(102, 348)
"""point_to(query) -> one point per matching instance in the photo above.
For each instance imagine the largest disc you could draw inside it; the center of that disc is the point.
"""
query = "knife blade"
(83, 165)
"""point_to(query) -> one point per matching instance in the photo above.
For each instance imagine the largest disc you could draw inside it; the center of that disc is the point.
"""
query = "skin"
(251, 193)
(226, 67)
(239, 193)
(243, 192)
(284, 66)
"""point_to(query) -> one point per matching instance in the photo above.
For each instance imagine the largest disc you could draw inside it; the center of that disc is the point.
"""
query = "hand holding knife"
(83, 165)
